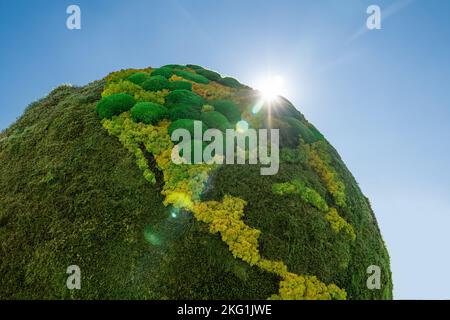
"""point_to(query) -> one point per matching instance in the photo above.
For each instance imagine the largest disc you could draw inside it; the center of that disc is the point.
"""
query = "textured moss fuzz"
(338, 223)
(182, 187)
(319, 160)
(71, 194)
(310, 196)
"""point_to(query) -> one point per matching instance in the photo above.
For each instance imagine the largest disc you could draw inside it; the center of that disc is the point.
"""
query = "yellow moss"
(298, 287)
(178, 78)
(338, 223)
(225, 218)
(124, 73)
(277, 267)
(319, 162)
(139, 94)
(212, 90)
(178, 200)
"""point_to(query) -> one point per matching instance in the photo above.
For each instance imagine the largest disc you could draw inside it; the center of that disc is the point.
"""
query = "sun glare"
(271, 87)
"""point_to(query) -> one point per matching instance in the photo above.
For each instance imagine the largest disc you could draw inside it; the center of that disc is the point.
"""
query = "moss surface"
(70, 193)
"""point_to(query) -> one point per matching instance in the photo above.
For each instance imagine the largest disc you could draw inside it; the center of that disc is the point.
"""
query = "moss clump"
(164, 71)
(187, 124)
(155, 83)
(179, 85)
(207, 108)
(230, 82)
(216, 120)
(228, 109)
(148, 113)
(139, 94)
(191, 76)
(298, 129)
(114, 105)
(210, 75)
(185, 97)
(194, 66)
(184, 112)
(306, 194)
(338, 223)
(139, 77)
(174, 66)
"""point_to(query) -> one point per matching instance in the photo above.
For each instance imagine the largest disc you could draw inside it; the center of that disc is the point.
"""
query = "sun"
(271, 87)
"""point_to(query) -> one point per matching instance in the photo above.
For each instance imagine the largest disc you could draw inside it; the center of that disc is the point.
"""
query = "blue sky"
(381, 97)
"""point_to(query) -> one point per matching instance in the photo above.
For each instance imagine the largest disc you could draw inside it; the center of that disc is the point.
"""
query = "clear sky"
(381, 97)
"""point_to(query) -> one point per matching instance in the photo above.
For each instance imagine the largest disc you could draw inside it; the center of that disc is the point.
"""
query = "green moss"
(315, 248)
(296, 130)
(139, 94)
(187, 124)
(174, 66)
(183, 184)
(148, 112)
(216, 120)
(191, 76)
(114, 105)
(184, 112)
(282, 108)
(185, 97)
(210, 75)
(228, 109)
(177, 85)
(306, 194)
(139, 77)
(155, 83)
(207, 108)
(318, 136)
(194, 66)
(72, 194)
(230, 82)
(165, 72)
(87, 203)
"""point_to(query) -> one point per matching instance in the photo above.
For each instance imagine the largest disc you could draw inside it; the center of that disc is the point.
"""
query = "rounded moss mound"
(228, 109)
(182, 111)
(216, 120)
(210, 75)
(194, 66)
(166, 72)
(174, 66)
(148, 112)
(191, 76)
(105, 195)
(139, 77)
(230, 82)
(114, 105)
(155, 83)
(187, 124)
(183, 96)
(179, 85)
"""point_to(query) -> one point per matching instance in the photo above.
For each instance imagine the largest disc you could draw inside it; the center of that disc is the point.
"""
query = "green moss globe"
(103, 194)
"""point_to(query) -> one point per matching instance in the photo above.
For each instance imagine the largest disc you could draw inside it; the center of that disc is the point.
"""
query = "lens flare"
(152, 237)
(242, 126)
(271, 87)
(258, 106)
